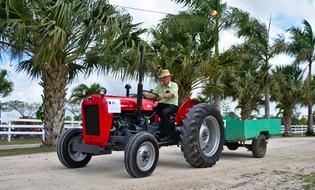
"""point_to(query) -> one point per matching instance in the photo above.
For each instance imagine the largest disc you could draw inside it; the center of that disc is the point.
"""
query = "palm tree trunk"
(0, 113)
(310, 120)
(245, 113)
(217, 30)
(54, 81)
(267, 103)
(217, 101)
(287, 123)
(310, 105)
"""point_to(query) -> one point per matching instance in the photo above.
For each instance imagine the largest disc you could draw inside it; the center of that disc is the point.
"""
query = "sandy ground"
(285, 160)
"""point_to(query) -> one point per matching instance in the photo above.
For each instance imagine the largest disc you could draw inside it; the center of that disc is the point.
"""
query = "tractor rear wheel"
(67, 156)
(259, 146)
(202, 136)
(141, 155)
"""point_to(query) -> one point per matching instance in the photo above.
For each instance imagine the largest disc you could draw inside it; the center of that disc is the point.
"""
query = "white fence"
(35, 127)
(30, 127)
(298, 129)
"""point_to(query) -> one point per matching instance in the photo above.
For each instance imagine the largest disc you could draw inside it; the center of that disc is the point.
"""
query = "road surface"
(286, 159)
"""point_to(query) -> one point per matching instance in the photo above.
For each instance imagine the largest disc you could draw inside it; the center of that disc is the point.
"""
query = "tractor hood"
(115, 104)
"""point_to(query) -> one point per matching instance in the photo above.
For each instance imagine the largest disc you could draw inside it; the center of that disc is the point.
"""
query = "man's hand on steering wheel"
(150, 95)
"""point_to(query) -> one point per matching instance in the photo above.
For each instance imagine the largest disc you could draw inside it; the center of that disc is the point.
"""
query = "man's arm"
(171, 93)
(148, 95)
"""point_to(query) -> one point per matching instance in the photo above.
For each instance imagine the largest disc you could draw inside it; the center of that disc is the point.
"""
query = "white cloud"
(227, 39)
(114, 85)
(147, 18)
(281, 59)
(292, 9)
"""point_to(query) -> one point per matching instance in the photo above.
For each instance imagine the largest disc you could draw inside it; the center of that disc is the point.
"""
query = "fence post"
(43, 133)
(72, 124)
(9, 131)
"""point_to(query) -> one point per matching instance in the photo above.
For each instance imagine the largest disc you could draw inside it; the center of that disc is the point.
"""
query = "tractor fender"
(183, 109)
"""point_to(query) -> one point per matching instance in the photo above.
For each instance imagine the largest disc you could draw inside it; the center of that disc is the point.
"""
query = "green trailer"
(237, 132)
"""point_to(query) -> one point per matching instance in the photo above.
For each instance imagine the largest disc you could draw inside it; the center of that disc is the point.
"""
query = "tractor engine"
(112, 120)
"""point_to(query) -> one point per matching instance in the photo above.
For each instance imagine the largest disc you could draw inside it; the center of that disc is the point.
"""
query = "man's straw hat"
(165, 73)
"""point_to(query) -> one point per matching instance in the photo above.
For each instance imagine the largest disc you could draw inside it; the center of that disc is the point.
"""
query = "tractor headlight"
(102, 91)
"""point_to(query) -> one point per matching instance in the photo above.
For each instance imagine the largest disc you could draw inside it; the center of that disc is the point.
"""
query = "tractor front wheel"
(141, 155)
(202, 136)
(67, 156)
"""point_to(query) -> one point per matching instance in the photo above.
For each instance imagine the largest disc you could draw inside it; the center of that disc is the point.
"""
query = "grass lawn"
(309, 181)
(21, 151)
(21, 140)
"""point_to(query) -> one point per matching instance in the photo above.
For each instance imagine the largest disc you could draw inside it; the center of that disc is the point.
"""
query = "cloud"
(227, 39)
(294, 10)
(148, 19)
(114, 85)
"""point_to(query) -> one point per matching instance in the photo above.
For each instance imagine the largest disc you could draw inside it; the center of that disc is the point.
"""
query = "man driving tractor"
(168, 102)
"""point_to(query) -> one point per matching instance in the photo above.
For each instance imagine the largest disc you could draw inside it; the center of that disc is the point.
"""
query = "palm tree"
(258, 34)
(243, 82)
(78, 92)
(302, 47)
(6, 86)
(179, 44)
(226, 18)
(288, 91)
(55, 42)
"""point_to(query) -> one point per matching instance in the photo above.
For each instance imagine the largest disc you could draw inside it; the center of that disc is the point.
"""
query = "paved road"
(286, 157)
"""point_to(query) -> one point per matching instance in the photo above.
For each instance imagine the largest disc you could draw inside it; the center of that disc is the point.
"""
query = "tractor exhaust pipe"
(140, 85)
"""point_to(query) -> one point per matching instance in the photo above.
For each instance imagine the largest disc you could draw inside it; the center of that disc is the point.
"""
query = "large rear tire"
(141, 155)
(259, 146)
(202, 136)
(67, 156)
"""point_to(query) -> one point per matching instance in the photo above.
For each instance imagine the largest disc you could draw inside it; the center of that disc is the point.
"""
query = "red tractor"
(116, 123)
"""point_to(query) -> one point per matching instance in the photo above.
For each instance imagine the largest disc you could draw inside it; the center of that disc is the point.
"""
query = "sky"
(284, 14)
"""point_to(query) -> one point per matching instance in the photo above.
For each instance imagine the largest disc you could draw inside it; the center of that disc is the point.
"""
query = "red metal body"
(105, 116)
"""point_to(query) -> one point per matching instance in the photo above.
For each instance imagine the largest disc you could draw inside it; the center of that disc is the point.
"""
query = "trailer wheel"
(202, 136)
(232, 145)
(259, 146)
(141, 155)
(67, 156)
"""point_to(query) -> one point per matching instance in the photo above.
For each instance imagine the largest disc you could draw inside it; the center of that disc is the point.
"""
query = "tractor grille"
(92, 121)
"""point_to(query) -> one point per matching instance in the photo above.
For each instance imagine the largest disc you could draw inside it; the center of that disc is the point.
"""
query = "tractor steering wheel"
(156, 96)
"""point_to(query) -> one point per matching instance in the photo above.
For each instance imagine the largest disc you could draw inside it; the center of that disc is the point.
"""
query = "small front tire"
(67, 156)
(141, 155)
